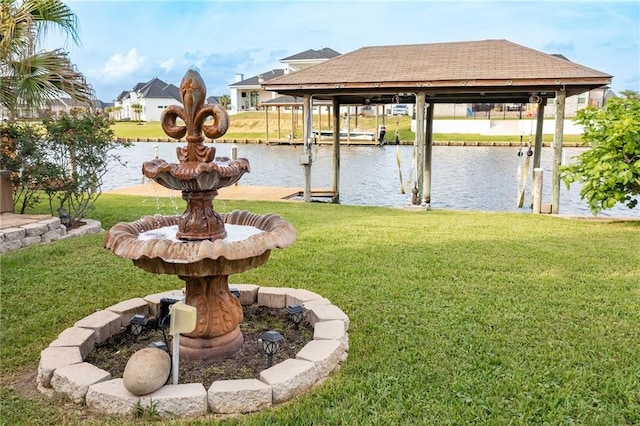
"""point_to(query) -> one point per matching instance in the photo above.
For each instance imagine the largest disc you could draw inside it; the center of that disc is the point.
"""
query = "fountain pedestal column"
(217, 333)
(200, 221)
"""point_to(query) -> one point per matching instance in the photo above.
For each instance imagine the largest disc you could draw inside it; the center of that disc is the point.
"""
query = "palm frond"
(46, 76)
(16, 29)
(50, 14)
(32, 78)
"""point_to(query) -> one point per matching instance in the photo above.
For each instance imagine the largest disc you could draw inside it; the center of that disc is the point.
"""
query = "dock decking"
(234, 192)
(152, 189)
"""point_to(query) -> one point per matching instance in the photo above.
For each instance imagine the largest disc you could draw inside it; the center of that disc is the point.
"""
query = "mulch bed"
(247, 363)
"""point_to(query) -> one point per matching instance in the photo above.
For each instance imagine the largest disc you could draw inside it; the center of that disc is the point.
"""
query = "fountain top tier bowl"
(198, 174)
(198, 168)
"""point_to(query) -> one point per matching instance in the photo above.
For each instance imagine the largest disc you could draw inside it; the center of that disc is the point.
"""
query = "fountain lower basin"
(200, 258)
(205, 267)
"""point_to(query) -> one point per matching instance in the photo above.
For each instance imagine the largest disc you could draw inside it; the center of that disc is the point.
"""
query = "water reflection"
(463, 178)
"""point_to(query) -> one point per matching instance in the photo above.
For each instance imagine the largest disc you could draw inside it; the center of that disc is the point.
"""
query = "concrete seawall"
(515, 142)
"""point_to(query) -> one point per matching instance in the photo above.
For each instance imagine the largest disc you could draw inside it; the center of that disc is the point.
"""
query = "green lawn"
(456, 317)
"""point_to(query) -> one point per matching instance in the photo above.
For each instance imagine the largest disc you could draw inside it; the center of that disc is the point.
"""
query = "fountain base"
(219, 314)
(208, 348)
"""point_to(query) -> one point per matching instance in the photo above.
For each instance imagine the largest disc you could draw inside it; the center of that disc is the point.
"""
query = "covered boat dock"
(486, 71)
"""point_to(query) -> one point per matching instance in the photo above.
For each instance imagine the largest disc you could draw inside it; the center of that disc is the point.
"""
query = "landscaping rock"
(146, 371)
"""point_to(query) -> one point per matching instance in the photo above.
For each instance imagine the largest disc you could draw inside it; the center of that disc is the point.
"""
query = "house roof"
(122, 95)
(290, 100)
(156, 88)
(67, 102)
(255, 80)
(325, 53)
(473, 71)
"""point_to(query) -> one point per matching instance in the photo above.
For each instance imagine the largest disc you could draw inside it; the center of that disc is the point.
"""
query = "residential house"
(65, 105)
(153, 96)
(594, 98)
(53, 107)
(247, 94)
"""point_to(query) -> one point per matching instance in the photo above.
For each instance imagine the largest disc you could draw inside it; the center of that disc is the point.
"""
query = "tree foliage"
(631, 94)
(20, 154)
(225, 100)
(28, 77)
(137, 110)
(609, 172)
(64, 159)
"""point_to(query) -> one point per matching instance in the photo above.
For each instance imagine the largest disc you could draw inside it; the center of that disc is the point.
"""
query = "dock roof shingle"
(474, 67)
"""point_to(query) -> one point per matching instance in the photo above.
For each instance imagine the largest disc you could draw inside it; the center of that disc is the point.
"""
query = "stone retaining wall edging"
(62, 368)
(43, 232)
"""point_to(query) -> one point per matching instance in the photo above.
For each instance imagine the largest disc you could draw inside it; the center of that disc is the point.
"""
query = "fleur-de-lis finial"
(194, 113)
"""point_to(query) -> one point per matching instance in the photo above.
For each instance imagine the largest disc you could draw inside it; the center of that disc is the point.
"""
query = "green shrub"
(65, 158)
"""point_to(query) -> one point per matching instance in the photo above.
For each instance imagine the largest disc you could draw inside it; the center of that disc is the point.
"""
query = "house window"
(255, 99)
(582, 100)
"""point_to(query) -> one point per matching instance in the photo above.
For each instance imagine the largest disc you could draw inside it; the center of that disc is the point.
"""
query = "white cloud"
(167, 65)
(119, 66)
(228, 37)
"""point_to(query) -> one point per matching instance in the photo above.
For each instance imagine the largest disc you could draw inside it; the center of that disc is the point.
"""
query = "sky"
(124, 42)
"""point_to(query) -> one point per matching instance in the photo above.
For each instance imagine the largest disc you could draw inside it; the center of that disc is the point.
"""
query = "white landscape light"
(270, 344)
(183, 320)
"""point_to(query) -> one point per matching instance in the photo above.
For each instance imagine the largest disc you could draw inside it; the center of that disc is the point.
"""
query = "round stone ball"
(146, 371)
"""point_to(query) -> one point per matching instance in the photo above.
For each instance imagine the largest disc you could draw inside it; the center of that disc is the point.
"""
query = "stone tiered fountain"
(201, 247)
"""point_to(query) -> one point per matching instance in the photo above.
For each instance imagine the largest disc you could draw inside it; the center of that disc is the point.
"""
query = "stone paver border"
(62, 368)
(43, 231)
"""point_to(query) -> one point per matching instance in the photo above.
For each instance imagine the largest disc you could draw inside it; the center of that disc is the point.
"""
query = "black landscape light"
(65, 219)
(159, 345)
(235, 292)
(270, 344)
(137, 323)
(296, 313)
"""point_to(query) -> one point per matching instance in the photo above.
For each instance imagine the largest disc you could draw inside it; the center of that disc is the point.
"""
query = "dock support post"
(266, 122)
(306, 155)
(537, 190)
(336, 151)
(557, 150)
(419, 143)
(428, 149)
(537, 151)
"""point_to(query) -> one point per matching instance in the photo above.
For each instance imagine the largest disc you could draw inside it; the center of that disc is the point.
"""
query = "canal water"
(463, 177)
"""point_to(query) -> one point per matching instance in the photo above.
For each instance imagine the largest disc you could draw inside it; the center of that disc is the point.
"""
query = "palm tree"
(630, 94)
(137, 110)
(29, 77)
(224, 100)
